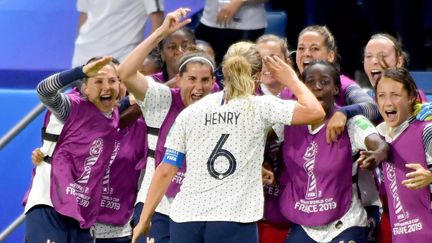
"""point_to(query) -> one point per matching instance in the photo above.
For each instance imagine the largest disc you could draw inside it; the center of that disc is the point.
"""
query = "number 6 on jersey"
(217, 152)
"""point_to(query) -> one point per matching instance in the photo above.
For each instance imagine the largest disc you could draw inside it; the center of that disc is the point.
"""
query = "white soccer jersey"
(112, 27)
(41, 184)
(224, 146)
(155, 107)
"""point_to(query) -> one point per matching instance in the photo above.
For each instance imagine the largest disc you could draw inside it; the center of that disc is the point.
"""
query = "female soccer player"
(223, 138)
(407, 175)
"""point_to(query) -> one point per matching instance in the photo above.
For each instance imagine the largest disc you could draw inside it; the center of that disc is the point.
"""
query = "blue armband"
(173, 157)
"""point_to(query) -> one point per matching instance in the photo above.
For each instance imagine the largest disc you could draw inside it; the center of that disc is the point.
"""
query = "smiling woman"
(89, 128)
(103, 88)
(100, 82)
(330, 213)
(382, 51)
(195, 77)
(316, 42)
(160, 105)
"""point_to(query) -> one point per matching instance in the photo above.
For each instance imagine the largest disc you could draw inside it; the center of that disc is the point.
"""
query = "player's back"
(224, 143)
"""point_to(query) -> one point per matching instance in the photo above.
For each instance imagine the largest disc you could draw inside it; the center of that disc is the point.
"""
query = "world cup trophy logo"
(309, 157)
(401, 215)
(94, 153)
(106, 188)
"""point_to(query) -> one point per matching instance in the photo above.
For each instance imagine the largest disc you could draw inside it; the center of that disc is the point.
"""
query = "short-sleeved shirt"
(112, 27)
(224, 147)
(155, 107)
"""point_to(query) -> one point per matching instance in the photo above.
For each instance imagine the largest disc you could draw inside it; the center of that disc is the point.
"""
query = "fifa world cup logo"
(398, 207)
(94, 152)
(309, 157)
(106, 179)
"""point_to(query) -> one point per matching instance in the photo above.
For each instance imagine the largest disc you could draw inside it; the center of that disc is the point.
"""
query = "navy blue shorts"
(373, 215)
(213, 232)
(160, 226)
(44, 224)
(356, 234)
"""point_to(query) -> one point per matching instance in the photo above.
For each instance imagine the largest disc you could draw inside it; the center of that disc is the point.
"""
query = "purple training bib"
(318, 177)
(409, 210)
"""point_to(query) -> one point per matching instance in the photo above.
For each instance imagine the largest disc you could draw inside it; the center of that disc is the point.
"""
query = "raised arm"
(307, 109)
(50, 95)
(135, 82)
(49, 89)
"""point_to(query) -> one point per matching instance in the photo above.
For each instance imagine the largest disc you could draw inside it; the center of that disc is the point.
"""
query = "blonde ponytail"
(241, 63)
(238, 77)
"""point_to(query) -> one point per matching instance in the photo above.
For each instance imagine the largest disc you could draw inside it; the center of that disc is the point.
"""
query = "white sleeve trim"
(358, 132)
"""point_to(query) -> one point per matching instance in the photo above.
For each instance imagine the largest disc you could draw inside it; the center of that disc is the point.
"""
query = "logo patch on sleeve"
(363, 123)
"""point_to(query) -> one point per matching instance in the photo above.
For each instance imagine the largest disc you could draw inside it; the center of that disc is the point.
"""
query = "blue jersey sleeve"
(173, 157)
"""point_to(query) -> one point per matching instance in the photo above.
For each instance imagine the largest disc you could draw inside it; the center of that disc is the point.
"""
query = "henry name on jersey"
(226, 117)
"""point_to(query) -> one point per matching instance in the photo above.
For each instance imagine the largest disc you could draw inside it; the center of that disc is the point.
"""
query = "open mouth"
(306, 64)
(376, 75)
(391, 115)
(106, 99)
(196, 96)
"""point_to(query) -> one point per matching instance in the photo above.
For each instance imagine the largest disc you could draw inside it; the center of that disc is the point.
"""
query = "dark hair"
(154, 55)
(397, 46)
(329, 40)
(185, 30)
(114, 60)
(191, 53)
(188, 32)
(335, 71)
(403, 76)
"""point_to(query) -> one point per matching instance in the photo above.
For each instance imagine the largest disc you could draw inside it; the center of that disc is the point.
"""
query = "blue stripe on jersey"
(173, 157)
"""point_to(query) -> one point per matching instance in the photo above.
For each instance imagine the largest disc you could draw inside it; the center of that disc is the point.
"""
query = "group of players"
(189, 164)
